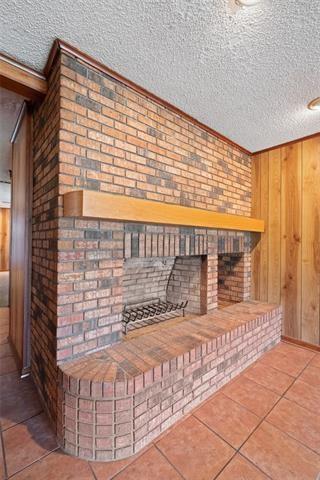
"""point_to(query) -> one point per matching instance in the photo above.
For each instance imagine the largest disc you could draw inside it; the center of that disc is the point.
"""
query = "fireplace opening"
(231, 285)
(159, 288)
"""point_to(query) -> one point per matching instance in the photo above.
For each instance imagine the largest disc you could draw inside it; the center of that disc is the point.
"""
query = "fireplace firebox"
(158, 288)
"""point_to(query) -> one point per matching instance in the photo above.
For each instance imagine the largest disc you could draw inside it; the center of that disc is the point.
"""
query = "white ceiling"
(246, 72)
(10, 104)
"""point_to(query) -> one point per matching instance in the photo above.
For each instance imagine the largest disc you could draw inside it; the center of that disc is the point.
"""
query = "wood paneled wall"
(286, 258)
(4, 238)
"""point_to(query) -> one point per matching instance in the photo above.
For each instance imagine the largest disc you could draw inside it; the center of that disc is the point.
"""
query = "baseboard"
(300, 343)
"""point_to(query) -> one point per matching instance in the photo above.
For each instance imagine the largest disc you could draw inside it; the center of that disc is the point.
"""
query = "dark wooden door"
(20, 253)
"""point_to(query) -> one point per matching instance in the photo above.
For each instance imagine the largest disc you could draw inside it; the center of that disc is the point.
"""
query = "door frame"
(25, 113)
(33, 86)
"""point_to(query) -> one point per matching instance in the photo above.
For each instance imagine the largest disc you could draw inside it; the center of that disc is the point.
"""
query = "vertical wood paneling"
(274, 227)
(310, 240)
(256, 212)
(4, 238)
(286, 260)
(291, 239)
(264, 210)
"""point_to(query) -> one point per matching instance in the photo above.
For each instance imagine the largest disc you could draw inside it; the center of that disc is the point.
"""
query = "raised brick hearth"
(114, 402)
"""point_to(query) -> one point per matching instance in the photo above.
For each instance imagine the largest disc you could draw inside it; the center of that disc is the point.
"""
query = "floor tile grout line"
(225, 466)
(238, 403)
(247, 460)
(194, 415)
(133, 461)
(285, 355)
(91, 470)
(260, 423)
(23, 421)
(277, 370)
(32, 463)
(3, 456)
(289, 435)
(253, 431)
(256, 466)
(216, 433)
(235, 450)
(282, 371)
(297, 403)
(278, 401)
(264, 418)
(169, 461)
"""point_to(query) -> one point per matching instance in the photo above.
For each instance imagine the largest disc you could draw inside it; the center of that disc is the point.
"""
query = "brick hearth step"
(115, 401)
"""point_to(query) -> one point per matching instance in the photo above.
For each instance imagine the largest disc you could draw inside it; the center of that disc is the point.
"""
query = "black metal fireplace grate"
(150, 312)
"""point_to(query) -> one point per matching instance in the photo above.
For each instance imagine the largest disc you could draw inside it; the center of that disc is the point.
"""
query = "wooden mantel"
(86, 203)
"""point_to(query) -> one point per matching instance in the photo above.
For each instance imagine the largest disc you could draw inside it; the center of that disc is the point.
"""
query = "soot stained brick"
(88, 103)
(87, 163)
(107, 92)
(134, 227)
(75, 65)
(89, 183)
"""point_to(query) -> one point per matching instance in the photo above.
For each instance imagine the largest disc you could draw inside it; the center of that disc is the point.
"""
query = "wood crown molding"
(21, 79)
(61, 46)
(88, 203)
(287, 144)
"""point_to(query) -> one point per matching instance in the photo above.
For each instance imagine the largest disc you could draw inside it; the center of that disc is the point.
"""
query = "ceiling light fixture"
(314, 104)
(247, 3)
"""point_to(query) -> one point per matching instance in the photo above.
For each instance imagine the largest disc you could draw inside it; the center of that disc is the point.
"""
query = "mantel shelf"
(86, 203)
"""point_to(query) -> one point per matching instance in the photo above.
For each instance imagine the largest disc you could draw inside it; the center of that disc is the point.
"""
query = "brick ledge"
(115, 401)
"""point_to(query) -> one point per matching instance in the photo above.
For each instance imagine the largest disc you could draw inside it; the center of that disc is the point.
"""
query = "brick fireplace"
(95, 134)
(182, 265)
(233, 278)
(176, 258)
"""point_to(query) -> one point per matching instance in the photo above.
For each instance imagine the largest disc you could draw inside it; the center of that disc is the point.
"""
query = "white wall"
(5, 195)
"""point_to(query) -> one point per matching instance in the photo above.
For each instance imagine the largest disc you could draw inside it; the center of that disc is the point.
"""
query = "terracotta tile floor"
(265, 424)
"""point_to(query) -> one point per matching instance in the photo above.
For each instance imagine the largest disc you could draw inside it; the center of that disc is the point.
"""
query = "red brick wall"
(44, 294)
(233, 281)
(115, 140)
(90, 269)
(185, 282)
(146, 279)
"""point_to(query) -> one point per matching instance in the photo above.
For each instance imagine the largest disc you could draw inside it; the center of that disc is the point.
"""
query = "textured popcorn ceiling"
(10, 105)
(246, 72)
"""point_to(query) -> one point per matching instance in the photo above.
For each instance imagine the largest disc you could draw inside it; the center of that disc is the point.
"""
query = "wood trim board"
(87, 203)
(300, 343)
(21, 79)
(287, 144)
(62, 46)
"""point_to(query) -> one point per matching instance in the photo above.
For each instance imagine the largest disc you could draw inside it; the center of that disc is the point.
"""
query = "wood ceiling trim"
(21, 79)
(286, 144)
(61, 46)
